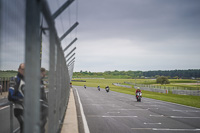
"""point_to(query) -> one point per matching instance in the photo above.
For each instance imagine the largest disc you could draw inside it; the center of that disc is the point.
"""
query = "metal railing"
(174, 90)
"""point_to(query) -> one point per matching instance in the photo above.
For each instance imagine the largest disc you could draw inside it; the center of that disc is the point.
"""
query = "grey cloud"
(146, 19)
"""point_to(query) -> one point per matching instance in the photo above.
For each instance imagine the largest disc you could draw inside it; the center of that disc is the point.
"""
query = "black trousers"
(43, 118)
(19, 115)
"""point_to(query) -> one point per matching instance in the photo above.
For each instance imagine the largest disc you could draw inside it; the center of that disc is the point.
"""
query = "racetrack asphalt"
(115, 112)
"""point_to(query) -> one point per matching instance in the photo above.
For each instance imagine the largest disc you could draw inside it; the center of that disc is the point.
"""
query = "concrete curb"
(70, 124)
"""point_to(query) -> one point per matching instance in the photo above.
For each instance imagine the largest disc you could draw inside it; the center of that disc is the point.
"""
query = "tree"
(157, 76)
(162, 80)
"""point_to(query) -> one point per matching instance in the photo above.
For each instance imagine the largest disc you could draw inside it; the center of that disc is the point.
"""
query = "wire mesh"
(14, 49)
(12, 45)
(12, 34)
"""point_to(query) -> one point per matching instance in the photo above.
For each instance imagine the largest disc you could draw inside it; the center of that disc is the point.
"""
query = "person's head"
(138, 88)
(21, 68)
(43, 72)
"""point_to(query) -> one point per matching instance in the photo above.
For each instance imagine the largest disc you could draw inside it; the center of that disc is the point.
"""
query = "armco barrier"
(117, 84)
(186, 92)
(179, 92)
(149, 88)
(129, 83)
(155, 90)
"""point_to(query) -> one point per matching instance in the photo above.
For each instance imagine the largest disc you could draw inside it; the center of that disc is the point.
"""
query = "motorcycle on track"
(139, 96)
(107, 89)
(98, 88)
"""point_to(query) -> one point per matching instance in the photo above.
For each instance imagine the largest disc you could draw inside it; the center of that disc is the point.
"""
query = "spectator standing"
(43, 102)
(16, 95)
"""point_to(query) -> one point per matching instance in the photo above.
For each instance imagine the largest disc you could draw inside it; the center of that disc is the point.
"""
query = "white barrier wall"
(117, 84)
(179, 92)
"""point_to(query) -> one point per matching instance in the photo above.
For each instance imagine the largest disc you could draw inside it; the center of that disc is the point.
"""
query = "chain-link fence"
(28, 34)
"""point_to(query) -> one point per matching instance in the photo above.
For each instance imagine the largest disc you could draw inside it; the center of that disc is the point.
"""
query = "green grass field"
(6, 74)
(193, 101)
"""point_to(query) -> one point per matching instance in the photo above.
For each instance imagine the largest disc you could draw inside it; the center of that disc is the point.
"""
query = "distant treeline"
(191, 73)
(9, 73)
(185, 74)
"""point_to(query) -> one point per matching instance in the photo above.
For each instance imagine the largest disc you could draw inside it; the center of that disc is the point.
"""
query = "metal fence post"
(51, 125)
(58, 72)
(32, 70)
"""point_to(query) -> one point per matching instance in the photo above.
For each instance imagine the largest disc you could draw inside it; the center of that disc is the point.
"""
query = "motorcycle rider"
(98, 87)
(137, 90)
(107, 88)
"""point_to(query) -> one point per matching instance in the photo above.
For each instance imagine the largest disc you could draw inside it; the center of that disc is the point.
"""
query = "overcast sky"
(138, 35)
(117, 34)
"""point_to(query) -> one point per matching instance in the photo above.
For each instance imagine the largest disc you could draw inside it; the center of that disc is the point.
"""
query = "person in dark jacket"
(19, 92)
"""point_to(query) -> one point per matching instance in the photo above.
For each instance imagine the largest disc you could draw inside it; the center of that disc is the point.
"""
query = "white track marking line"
(166, 129)
(176, 117)
(152, 108)
(111, 116)
(157, 115)
(119, 116)
(141, 128)
(1, 108)
(152, 123)
(86, 128)
(149, 105)
(169, 129)
(113, 112)
(184, 117)
(132, 109)
(186, 111)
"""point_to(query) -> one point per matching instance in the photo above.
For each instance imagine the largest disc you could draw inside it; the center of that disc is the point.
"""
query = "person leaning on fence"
(16, 94)
(43, 102)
